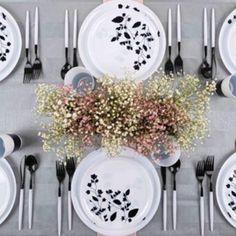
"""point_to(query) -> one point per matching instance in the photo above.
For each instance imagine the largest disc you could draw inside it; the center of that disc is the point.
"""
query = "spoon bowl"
(205, 70)
(31, 163)
(65, 69)
(175, 168)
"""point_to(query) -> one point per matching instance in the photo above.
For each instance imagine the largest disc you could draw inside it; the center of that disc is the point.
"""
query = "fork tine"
(203, 167)
(210, 163)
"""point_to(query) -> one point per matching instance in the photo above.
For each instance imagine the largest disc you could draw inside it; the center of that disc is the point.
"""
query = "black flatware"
(200, 172)
(61, 173)
(70, 168)
(213, 57)
(37, 65)
(178, 62)
(164, 195)
(22, 192)
(75, 37)
(169, 66)
(205, 69)
(32, 165)
(28, 69)
(174, 169)
(209, 168)
(66, 67)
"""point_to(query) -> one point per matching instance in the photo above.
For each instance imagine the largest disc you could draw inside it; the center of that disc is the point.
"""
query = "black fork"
(70, 168)
(28, 70)
(179, 67)
(209, 167)
(200, 172)
(61, 173)
(37, 66)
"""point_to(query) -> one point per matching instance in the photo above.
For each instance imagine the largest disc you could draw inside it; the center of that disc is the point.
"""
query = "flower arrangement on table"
(142, 116)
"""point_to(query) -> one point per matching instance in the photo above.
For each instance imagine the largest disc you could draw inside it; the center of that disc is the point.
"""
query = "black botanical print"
(108, 205)
(230, 21)
(231, 192)
(135, 36)
(4, 42)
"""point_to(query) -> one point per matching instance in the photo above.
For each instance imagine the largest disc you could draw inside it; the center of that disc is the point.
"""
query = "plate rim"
(220, 44)
(95, 72)
(156, 200)
(6, 72)
(224, 213)
(14, 191)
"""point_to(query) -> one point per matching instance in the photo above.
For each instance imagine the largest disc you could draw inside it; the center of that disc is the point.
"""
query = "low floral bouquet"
(142, 116)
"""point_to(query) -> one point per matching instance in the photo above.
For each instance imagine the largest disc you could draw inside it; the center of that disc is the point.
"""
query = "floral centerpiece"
(142, 116)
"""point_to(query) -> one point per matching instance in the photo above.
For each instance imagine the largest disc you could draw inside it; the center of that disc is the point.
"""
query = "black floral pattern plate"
(226, 189)
(10, 43)
(116, 195)
(122, 38)
(227, 46)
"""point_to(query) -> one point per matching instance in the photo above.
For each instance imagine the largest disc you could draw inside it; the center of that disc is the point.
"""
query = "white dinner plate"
(226, 189)
(227, 39)
(116, 196)
(7, 189)
(10, 43)
(122, 38)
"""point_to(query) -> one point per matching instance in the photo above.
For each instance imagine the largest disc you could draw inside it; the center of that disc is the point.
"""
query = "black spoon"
(174, 169)
(205, 69)
(67, 65)
(32, 165)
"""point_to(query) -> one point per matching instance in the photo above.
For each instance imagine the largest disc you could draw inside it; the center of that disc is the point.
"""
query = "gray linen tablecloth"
(17, 116)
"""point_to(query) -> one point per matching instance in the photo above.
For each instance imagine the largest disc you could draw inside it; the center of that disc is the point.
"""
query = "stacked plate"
(226, 190)
(10, 43)
(122, 38)
(116, 195)
(227, 39)
(7, 189)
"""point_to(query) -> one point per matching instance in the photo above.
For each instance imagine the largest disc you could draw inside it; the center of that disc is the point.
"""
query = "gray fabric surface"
(17, 116)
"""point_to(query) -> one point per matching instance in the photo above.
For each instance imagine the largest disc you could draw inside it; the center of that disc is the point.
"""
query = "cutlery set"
(30, 162)
(67, 66)
(32, 71)
(208, 70)
(173, 169)
(177, 66)
(61, 170)
(206, 167)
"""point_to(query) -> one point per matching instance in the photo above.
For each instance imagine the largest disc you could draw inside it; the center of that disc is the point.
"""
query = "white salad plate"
(7, 189)
(226, 189)
(10, 43)
(227, 39)
(116, 196)
(122, 39)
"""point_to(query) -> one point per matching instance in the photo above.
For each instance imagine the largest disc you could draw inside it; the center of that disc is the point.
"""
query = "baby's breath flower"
(122, 112)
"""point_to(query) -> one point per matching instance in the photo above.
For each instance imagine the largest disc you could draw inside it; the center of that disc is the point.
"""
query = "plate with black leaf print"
(123, 39)
(226, 189)
(10, 43)
(227, 39)
(116, 195)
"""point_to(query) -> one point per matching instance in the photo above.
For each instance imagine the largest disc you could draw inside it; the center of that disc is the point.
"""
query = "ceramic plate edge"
(217, 189)
(156, 203)
(18, 32)
(7, 212)
(153, 15)
(220, 44)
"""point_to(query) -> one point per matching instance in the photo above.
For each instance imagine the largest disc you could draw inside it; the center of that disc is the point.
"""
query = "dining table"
(17, 115)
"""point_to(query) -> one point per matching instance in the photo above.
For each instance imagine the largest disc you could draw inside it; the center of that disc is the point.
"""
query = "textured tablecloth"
(17, 116)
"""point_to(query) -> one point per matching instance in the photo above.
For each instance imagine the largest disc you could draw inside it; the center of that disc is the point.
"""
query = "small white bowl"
(80, 79)
(167, 159)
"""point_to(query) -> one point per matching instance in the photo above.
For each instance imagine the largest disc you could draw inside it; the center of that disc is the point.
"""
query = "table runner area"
(17, 116)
